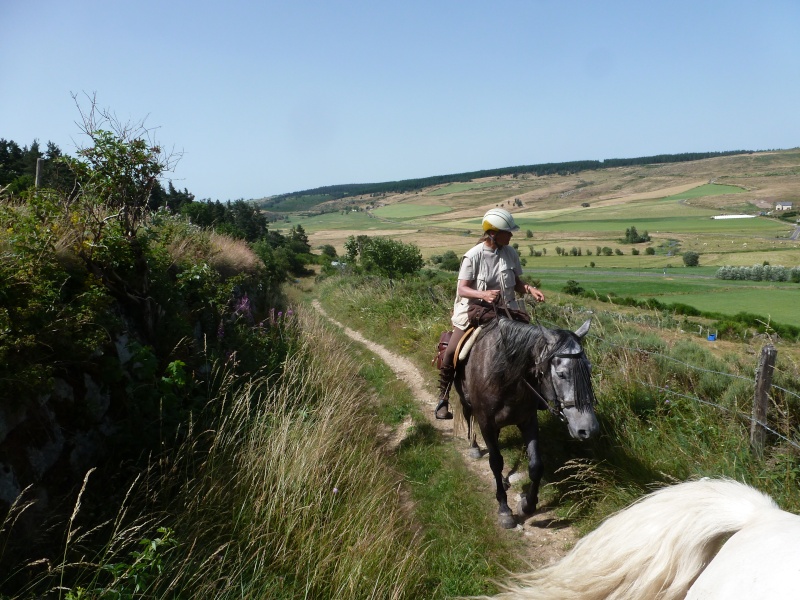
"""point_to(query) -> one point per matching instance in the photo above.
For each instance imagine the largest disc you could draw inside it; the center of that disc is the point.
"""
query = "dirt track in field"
(544, 537)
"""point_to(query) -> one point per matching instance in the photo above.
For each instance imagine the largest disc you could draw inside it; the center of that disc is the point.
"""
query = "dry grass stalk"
(230, 256)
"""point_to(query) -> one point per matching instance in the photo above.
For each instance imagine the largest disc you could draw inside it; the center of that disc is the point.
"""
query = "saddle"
(479, 314)
(462, 350)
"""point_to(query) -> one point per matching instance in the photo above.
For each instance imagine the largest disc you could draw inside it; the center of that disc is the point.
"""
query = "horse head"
(567, 384)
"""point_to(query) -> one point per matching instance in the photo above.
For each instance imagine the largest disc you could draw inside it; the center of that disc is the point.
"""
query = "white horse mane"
(653, 550)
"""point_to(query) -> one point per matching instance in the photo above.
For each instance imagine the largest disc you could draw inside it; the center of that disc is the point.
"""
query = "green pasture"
(710, 189)
(660, 215)
(409, 211)
(695, 287)
(778, 304)
(358, 221)
(652, 209)
(674, 224)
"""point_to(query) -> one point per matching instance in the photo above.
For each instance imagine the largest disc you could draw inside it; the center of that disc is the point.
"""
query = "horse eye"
(561, 375)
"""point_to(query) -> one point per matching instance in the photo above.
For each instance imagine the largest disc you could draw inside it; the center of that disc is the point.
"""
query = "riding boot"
(446, 375)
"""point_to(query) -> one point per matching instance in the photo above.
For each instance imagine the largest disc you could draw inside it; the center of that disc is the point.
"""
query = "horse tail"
(655, 548)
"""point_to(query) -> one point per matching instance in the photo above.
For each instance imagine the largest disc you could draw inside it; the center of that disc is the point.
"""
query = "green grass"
(710, 189)
(357, 221)
(654, 225)
(774, 303)
(409, 211)
(695, 287)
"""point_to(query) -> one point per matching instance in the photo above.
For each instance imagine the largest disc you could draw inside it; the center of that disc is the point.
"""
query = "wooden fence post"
(766, 365)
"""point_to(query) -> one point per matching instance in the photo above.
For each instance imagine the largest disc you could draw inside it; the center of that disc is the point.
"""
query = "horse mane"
(655, 548)
(521, 343)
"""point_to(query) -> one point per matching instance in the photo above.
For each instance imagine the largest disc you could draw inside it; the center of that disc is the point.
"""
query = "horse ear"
(583, 329)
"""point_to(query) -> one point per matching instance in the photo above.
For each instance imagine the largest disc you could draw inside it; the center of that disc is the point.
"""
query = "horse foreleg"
(530, 433)
(504, 514)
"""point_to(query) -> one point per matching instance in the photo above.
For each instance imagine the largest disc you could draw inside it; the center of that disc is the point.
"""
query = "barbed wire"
(673, 359)
(785, 391)
(738, 413)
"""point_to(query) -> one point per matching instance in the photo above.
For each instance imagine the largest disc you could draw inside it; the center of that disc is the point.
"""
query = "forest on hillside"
(306, 199)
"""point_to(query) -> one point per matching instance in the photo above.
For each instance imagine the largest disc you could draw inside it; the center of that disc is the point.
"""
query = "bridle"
(562, 404)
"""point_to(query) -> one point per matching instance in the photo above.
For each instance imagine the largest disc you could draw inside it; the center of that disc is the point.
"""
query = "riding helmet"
(499, 219)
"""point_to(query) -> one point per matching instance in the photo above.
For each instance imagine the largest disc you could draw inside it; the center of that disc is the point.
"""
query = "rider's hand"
(491, 296)
(536, 293)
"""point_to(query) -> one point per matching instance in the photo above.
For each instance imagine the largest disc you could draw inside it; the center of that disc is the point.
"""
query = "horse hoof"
(525, 507)
(475, 453)
(507, 521)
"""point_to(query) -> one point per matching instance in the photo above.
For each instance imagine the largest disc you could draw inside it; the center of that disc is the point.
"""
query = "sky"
(263, 97)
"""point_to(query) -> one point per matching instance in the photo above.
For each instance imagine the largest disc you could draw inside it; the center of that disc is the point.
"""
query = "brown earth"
(545, 537)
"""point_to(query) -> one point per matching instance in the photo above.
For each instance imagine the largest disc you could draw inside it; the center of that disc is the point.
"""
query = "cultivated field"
(589, 211)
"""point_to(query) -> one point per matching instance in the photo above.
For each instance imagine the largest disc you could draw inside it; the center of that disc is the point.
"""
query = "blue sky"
(270, 97)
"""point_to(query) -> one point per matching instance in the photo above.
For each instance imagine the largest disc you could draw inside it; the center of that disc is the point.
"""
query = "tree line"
(337, 192)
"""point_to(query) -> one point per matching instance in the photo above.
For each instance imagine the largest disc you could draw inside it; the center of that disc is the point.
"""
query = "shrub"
(691, 259)
(632, 236)
(572, 287)
(449, 261)
(386, 256)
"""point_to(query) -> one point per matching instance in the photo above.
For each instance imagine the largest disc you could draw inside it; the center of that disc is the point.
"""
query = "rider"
(489, 271)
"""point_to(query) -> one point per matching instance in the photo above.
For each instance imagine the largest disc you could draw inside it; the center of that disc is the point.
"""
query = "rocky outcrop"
(48, 444)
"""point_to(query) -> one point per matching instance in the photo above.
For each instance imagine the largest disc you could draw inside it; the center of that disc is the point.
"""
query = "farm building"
(783, 206)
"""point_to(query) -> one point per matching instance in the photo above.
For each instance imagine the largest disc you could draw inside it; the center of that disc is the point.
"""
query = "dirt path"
(545, 537)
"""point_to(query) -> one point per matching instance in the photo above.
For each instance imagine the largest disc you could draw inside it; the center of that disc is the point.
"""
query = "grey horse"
(515, 369)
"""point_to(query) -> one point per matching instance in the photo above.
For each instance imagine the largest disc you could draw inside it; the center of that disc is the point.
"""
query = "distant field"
(409, 211)
(693, 287)
(617, 199)
(779, 304)
(710, 189)
(687, 224)
(359, 221)
(455, 188)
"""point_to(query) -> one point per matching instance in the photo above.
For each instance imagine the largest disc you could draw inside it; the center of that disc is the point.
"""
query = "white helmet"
(499, 219)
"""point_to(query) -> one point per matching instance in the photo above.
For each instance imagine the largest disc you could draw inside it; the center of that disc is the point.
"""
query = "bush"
(449, 261)
(691, 259)
(572, 287)
(385, 256)
(633, 237)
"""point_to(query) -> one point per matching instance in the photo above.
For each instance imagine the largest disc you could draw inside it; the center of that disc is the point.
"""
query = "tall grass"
(296, 499)
(290, 495)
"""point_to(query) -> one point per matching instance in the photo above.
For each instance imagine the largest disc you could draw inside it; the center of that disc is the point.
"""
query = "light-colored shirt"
(489, 270)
